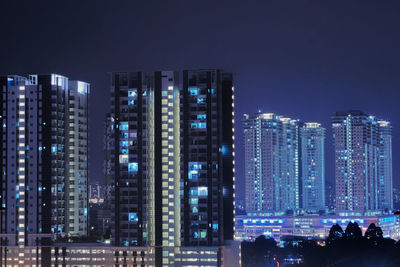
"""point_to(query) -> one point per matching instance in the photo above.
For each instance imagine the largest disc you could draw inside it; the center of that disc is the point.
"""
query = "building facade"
(165, 199)
(207, 169)
(127, 158)
(78, 151)
(169, 161)
(38, 138)
(362, 163)
(385, 175)
(96, 193)
(272, 168)
(313, 166)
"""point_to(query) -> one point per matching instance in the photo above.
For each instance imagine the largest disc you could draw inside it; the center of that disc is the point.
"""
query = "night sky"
(302, 59)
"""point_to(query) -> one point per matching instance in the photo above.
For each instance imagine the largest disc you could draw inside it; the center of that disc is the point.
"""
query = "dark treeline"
(341, 248)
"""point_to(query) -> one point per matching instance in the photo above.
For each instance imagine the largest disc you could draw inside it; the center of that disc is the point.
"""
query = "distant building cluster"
(286, 190)
(285, 165)
(96, 193)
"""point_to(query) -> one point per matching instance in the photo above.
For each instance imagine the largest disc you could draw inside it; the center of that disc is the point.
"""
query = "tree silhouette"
(374, 232)
(261, 252)
(335, 234)
(353, 231)
(344, 248)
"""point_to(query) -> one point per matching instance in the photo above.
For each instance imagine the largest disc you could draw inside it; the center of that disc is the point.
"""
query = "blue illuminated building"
(271, 163)
(363, 163)
(385, 175)
(313, 167)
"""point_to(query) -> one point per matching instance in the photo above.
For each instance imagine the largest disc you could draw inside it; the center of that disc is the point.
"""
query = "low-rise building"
(312, 226)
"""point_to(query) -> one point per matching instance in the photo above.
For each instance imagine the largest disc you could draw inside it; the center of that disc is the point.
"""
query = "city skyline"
(301, 67)
(285, 164)
(187, 115)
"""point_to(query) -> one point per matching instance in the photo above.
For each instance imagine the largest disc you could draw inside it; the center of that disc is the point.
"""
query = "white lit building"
(363, 163)
(43, 172)
(312, 137)
(271, 163)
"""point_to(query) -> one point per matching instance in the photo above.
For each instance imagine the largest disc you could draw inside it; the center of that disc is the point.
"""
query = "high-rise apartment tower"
(44, 152)
(272, 163)
(313, 166)
(363, 162)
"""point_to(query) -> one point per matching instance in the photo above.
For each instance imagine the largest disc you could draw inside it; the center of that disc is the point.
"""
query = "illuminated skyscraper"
(128, 163)
(144, 161)
(363, 162)
(272, 163)
(313, 166)
(78, 145)
(44, 120)
(166, 196)
(385, 176)
(170, 153)
(207, 166)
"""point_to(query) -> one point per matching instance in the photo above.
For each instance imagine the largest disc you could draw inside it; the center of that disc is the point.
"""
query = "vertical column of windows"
(20, 195)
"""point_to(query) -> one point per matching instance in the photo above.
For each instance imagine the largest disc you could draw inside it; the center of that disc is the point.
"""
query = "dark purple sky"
(303, 59)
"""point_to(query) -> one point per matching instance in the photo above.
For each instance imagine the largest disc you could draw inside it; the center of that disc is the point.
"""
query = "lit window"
(124, 126)
(132, 217)
(132, 93)
(203, 234)
(193, 170)
(82, 89)
(193, 174)
(193, 191)
(203, 191)
(201, 116)
(193, 90)
(198, 125)
(123, 158)
(133, 167)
